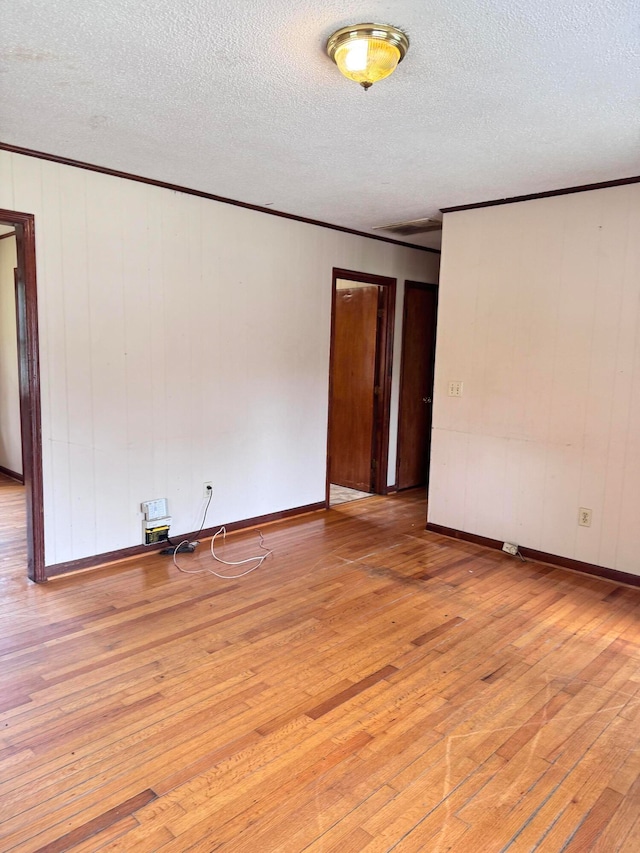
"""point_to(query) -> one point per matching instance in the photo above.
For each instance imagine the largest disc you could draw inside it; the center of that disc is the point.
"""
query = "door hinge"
(374, 464)
(380, 313)
(377, 390)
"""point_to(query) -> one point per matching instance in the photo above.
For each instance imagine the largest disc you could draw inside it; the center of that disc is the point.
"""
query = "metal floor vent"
(414, 226)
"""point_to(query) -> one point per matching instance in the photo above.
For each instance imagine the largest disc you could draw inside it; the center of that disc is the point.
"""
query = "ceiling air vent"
(415, 226)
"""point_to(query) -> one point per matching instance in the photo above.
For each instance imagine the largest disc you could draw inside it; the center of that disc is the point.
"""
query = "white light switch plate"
(455, 388)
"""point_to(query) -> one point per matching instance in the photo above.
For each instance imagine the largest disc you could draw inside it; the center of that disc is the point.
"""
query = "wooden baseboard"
(136, 550)
(12, 474)
(541, 556)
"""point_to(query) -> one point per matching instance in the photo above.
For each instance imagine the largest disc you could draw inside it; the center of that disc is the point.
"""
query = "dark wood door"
(416, 384)
(353, 380)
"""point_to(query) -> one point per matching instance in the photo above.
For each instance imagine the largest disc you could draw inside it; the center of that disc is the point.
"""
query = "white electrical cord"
(260, 559)
(180, 569)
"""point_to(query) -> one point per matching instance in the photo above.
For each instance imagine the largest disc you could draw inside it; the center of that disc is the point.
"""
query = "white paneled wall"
(10, 438)
(182, 341)
(539, 316)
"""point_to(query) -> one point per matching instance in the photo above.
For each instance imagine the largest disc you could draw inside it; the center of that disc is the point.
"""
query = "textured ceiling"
(495, 98)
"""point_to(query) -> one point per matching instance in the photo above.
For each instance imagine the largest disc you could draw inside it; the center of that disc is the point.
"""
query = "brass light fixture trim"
(367, 53)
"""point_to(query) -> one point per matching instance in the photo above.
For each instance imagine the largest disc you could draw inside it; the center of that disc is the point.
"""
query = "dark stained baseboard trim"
(12, 474)
(137, 550)
(115, 173)
(453, 533)
(582, 188)
(391, 490)
(7, 234)
(541, 556)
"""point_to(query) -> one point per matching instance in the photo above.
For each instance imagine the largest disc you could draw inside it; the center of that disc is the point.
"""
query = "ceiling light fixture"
(367, 53)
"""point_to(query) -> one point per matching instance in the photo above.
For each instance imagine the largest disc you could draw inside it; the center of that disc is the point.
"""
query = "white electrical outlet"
(455, 388)
(207, 489)
(510, 548)
(584, 516)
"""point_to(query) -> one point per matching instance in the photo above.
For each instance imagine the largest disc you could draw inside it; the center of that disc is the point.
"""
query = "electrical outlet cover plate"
(584, 517)
(510, 548)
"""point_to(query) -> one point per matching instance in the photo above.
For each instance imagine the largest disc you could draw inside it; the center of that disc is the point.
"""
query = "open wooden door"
(360, 380)
(353, 386)
(416, 384)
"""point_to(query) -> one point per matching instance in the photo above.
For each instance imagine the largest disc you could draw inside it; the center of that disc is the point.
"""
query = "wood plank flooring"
(372, 687)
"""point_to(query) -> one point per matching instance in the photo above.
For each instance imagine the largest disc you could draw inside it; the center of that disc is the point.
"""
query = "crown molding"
(582, 188)
(128, 176)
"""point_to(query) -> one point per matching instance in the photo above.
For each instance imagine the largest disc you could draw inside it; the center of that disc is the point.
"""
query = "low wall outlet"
(584, 517)
(207, 489)
(510, 548)
(455, 388)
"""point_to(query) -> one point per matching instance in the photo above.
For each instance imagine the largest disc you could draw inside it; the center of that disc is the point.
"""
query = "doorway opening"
(362, 316)
(416, 384)
(24, 316)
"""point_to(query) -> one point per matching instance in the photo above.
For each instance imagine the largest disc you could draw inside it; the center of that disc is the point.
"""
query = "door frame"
(412, 285)
(29, 383)
(384, 365)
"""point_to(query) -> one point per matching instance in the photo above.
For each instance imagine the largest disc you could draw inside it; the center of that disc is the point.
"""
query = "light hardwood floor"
(372, 687)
